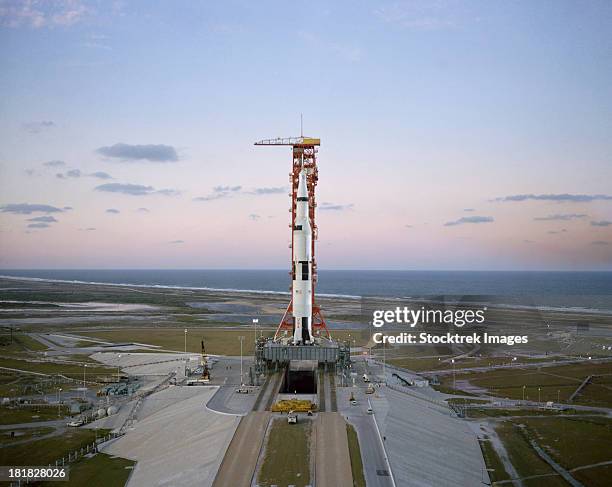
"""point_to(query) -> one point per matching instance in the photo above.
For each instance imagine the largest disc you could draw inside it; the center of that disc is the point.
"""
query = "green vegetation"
(19, 343)
(101, 470)
(48, 450)
(496, 413)
(497, 471)
(555, 382)
(8, 437)
(30, 414)
(355, 454)
(286, 460)
(573, 442)
(54, 368)
(524, 458)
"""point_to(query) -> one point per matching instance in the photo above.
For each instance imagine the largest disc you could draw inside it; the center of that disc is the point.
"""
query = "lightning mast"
(304, 150)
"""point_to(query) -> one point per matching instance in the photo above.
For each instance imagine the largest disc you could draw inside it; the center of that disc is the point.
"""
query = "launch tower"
(302, 318)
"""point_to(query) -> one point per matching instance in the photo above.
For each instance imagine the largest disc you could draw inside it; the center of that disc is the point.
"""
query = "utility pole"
(185, 340)
(241, 338)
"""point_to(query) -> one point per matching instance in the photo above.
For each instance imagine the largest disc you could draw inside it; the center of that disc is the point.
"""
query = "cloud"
(74, 173)
(43, 219)
(408, 226)
(50, 13)
(564, 197)
(219, 192)
(143, 210)
(211, 197)
(148, 152)
(37, 127)
(335, 207)
(113, 211)
(600, 242)
(562, 217)
(54, 163)
(89, 229)
(554, 232)
(254, 217)
(226, 189)
(273, 190)
(27, 209)
(418, 15)
(528, 241)
(134, 189)
(468, 209)
(100, 175)
(176, 242)
(38, 225)
(601, 223)
(470, 219)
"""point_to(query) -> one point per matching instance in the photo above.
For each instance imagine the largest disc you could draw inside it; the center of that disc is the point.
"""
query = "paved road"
(332, 460)
(241, 457)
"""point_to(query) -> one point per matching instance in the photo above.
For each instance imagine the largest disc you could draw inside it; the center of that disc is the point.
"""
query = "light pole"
(84, 367)
(118, 367)
(558, 396)
(59, 401)
(454, 376)
(539, 388)
(241, 338)
(523, 393)
(185, 340)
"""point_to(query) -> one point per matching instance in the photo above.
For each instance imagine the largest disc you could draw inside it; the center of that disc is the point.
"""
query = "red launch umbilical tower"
(304, 150)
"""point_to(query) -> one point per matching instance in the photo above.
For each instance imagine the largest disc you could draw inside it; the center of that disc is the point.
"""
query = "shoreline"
(575, 310)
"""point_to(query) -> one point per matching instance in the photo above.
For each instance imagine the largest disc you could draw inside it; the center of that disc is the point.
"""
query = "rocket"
(302, 266)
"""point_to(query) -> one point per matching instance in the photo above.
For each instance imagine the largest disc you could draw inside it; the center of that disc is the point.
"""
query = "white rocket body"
(302, 266)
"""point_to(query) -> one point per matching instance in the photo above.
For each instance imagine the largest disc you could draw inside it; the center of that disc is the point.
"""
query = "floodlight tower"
(304, 150)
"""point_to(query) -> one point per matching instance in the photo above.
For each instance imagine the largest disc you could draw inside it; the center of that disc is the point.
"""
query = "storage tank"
(112, 410)
(101, 413)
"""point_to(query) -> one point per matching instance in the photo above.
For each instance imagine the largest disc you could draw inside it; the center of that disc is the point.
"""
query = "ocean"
(579, 291)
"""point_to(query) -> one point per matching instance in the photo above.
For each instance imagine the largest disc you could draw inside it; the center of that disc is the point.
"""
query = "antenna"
(301, 125)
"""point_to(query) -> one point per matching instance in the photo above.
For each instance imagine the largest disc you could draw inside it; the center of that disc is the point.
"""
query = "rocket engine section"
(302, 266)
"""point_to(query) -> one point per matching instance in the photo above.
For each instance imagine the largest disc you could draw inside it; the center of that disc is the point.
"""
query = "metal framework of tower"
(304, 154)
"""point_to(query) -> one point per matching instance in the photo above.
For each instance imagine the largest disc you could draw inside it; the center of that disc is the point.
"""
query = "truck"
(366, 378)
(292, 418)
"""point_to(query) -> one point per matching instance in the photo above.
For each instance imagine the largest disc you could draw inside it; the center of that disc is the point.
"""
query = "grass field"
(52, 368)
(438, 363)
(30, 414)
(573, 442)
(355, 454)
(524, 458)
(555, 382)
(46, 451)
(287, 457)
(101, 470)
(22, 434)
(20, 343)
(217, 341)
(497, 471)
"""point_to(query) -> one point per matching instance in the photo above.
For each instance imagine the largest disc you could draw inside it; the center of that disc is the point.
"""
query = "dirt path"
(240, 459)
(332, 462)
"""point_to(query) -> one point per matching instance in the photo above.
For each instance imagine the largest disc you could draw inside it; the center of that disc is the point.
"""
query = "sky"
(470, 135)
